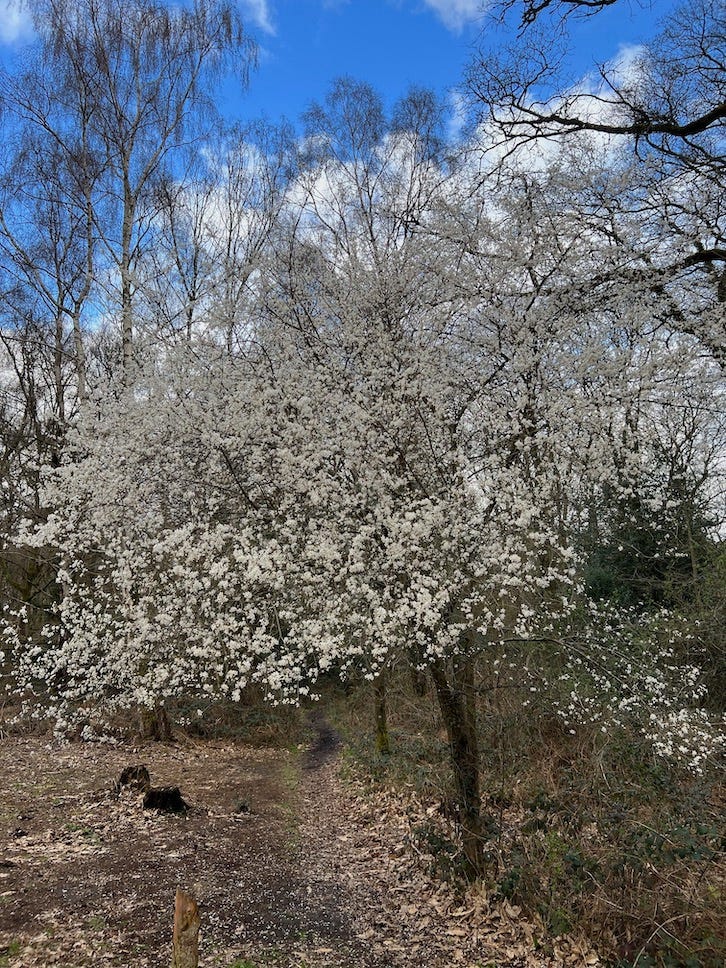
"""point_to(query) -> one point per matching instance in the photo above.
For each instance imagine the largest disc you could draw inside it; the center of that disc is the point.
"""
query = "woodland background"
(431, 429)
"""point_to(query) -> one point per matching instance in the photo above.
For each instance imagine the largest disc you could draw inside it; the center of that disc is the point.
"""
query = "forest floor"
(292, 866)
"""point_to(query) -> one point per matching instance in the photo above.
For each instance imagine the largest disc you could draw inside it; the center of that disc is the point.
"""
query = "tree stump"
(167, 799)
(185, 953)
(135, 777)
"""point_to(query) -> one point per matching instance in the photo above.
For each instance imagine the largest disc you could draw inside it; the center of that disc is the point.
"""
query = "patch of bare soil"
(88, 878)
(291, 868)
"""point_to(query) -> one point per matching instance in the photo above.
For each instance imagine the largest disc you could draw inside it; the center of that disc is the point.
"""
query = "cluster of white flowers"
(398, 464)
(623, 666)
(687, 736)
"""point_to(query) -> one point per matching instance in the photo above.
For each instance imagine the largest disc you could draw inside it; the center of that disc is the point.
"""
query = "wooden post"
(186, 931)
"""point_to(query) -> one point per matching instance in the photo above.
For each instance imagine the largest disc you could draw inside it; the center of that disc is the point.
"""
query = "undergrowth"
(588, 833)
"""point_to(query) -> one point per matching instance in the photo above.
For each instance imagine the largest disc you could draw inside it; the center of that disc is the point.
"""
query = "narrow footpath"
(292, 867)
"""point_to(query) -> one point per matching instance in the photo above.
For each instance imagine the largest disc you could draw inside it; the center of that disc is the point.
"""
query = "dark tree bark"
(457, 702)
(383, 743)
(155, 725)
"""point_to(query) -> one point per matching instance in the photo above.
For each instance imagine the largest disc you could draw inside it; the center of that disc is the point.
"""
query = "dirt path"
(87, 878)
(292, 869)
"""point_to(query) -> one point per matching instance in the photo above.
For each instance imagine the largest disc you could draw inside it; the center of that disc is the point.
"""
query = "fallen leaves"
(351, 877)
(421, 920)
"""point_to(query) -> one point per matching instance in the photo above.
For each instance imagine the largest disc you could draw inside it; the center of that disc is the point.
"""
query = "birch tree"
(121, 88)
(217, 227)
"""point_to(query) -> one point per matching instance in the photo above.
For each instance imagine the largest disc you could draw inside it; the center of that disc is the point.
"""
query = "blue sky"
(391, 44)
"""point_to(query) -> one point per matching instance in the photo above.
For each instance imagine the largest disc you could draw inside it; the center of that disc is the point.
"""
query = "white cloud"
(629, 66)
(625, 70)
(15, 21)
(592, 98)
(259, 13)
(456, 14)
(458, 117)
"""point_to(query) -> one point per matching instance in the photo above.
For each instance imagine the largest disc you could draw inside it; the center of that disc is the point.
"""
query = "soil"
(291, 867)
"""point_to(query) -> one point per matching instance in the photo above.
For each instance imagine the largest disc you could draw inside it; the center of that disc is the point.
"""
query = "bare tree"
(215, 227)
(663, 115)
(531, 10)
(671, 100)
(47, 246)
(123, 87)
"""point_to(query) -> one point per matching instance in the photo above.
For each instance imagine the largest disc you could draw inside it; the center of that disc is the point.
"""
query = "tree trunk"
(58, 368)
(154, 724)
(417, 663)
(80, 301)
(127, 331)
(185, 952)
(383, 744)
(80, 354)
(457, 702)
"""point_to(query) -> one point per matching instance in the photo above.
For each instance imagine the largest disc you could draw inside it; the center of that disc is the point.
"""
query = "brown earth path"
(89, 879)
(316, 874)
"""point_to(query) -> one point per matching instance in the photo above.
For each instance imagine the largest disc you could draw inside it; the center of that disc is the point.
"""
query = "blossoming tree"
(398, 465)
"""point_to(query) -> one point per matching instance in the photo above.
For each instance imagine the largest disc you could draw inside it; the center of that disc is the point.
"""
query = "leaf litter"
(316, 871)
